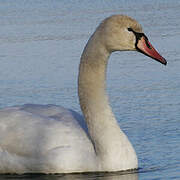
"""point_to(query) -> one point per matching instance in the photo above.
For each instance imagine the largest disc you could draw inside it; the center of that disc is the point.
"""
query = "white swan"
(52, 139)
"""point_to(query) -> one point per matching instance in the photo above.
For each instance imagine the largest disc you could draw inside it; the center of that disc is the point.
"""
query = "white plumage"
(52, 139)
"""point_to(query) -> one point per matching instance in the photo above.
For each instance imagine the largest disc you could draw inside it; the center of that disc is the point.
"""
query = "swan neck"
(94, 103)
(110, 143)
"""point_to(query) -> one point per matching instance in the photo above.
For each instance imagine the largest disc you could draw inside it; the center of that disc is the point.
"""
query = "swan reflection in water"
(84, 176)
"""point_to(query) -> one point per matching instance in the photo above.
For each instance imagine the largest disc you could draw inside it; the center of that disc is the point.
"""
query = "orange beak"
(145, 47)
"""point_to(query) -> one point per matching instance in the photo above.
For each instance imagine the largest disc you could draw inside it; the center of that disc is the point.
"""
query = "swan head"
(122, 33)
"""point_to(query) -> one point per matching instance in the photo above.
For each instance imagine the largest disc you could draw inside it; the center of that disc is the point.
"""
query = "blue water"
(40, 45)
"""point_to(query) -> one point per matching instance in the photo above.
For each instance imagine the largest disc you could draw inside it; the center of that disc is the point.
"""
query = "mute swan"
(52, 139)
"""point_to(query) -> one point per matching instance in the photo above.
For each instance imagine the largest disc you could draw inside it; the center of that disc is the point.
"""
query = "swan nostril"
(147, 44)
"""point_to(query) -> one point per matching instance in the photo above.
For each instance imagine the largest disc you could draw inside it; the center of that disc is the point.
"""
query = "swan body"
(43, 138)
(52, 139)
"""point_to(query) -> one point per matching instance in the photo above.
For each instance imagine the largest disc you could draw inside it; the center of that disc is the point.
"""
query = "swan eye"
(130, 29)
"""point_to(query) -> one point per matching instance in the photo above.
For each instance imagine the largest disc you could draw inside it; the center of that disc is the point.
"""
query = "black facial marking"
(138, 37)
(130, 29)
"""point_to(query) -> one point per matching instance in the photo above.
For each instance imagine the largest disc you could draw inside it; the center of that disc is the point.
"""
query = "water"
(40, 45)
